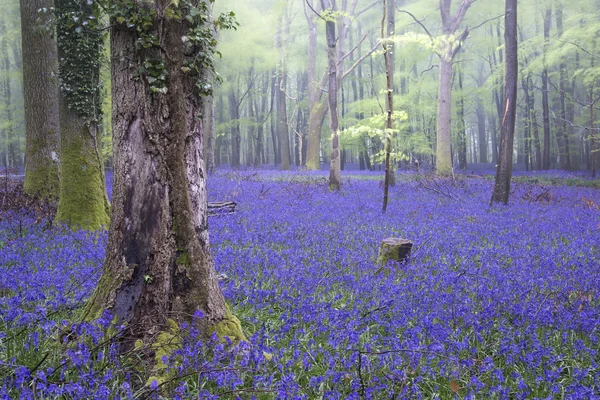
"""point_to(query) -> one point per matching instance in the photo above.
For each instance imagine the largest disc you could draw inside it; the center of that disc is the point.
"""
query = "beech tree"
(40, 72)
(450, 46)
(158, 264)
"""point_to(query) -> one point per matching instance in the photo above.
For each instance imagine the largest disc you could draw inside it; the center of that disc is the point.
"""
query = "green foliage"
(80, 39)
(200, 39)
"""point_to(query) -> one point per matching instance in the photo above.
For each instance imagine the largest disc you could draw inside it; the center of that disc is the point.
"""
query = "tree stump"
(394, 249)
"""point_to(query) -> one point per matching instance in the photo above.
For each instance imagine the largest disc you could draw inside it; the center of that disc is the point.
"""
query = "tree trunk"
(444, 119)
(236, 138)
(40, 87)
(563, 89)
(208, 119)
(9, 156)
(501, 190)
(462, 131)
(545, 102)
(388, 12)
(335, 175)
(274, 90)
(317, 108)
(158, 264)
(83, 199)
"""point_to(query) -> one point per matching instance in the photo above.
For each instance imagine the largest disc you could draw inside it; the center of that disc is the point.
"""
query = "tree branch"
(352, 51)
(360, 60)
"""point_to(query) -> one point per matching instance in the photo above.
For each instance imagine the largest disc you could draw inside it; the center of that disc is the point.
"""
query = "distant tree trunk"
(236, 138)
(40, 71)
(481, 124)
(563, 89)
(158, 264)
(501, 190)
(274, 135)
(208, 118)
(83, 199)
(282, 117)
(462, 131)
(10, 158)
(317, 108)
(219, 138)
(545, 102)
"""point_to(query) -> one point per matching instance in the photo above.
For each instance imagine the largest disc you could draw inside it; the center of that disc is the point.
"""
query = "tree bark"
(158, 264)
(40, 87)
(501, 190)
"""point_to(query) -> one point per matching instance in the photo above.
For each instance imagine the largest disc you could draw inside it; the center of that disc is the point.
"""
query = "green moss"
(83, 202)
(165, 344)
(183, 259)
(229, 327)
(41, 177)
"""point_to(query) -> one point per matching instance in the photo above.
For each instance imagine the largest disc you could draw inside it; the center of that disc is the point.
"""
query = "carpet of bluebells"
(494, 303)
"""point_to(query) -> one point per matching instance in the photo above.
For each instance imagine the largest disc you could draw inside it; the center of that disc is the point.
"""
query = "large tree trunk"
(40, 71)
(158, 264)
(501, 190)
(83, 199)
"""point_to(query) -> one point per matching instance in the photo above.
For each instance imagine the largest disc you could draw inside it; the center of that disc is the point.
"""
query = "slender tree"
(388, 12)
(335, 178)
(501, 190)
(40, 72)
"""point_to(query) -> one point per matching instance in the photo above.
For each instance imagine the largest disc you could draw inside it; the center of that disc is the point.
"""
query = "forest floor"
(495, 302)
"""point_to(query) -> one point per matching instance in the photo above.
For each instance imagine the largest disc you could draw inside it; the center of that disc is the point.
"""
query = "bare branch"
(352, 51)
(315, 11)
(487, 20)
(367, 8)
(418, 22)
(360, 60)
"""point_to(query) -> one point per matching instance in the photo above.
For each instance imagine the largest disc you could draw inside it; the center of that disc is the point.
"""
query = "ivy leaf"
(120, 20)
(175, 3)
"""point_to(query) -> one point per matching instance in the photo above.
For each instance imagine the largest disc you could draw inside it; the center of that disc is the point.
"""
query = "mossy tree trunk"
(158, 264)
(40, 87)
(83, 199)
